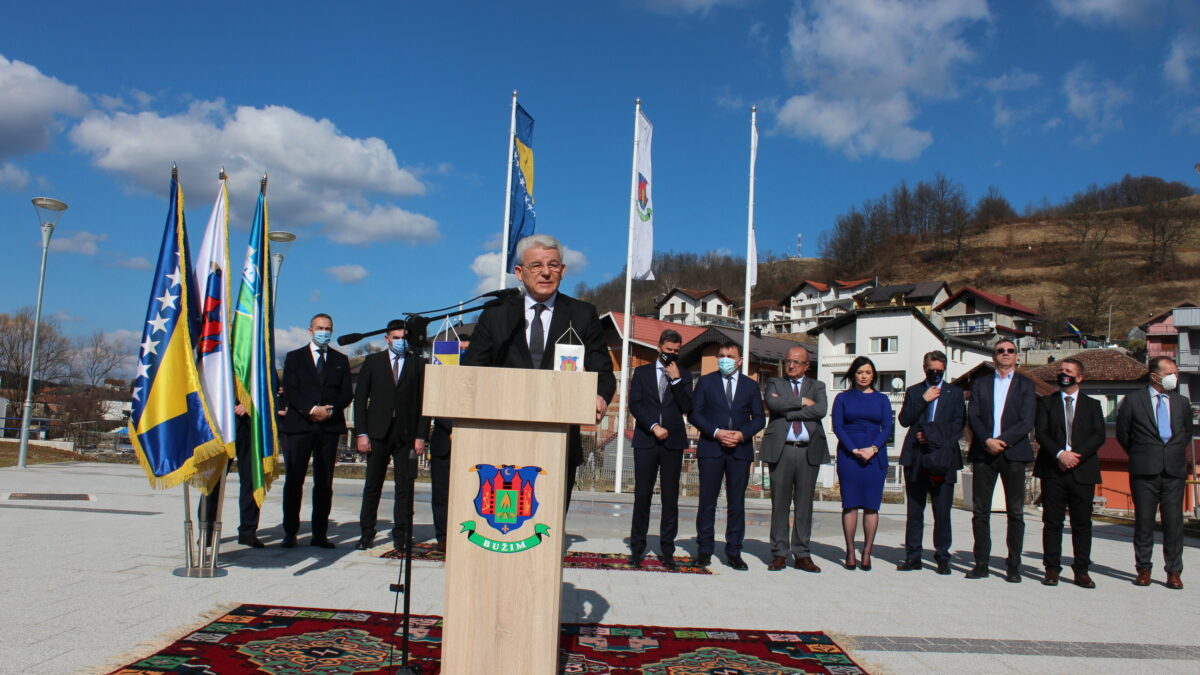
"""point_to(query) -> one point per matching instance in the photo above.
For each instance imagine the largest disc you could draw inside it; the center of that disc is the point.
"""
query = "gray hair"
(537, 241)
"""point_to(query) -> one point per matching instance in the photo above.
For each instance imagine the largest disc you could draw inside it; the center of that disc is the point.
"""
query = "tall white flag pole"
(751, 245)
(623, 407)
(508, 166)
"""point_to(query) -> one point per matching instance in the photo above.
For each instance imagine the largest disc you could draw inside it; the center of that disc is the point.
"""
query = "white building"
(985, 317)
(767, 316)
(709, 307)
(896, 339)
(814, 301)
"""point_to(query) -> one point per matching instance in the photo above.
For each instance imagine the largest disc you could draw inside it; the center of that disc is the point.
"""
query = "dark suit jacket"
(948, 417)
(379, 402)
(647, 410)
(1087, 435)
(439, 437)
(1016, 421)
(499, 340)
(787, 408)
(711, 411)
(303, 390)
(1137, 432)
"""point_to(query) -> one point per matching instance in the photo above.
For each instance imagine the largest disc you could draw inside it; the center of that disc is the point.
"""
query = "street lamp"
(281, 241)
(48, 211)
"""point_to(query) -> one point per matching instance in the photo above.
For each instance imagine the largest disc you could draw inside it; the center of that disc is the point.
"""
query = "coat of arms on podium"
(506, 499)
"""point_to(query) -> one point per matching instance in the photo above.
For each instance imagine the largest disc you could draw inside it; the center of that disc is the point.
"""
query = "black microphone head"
(348, 338)
(503, 293)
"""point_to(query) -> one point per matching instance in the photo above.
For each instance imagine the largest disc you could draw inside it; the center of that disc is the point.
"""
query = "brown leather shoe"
(1143, 578)
(806, 564)
(1082, 580)
(1174, 582)
(1051, 578)
(777, 563)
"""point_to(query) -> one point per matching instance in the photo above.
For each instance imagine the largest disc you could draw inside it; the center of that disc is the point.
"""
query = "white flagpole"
(623, 407)
(508, 164)
(751, 245)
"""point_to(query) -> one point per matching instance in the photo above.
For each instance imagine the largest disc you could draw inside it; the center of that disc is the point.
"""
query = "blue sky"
(383, 128)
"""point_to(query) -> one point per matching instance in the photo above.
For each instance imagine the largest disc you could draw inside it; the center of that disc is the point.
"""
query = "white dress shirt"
(792, 436)
(1000, 385)
(546, 313)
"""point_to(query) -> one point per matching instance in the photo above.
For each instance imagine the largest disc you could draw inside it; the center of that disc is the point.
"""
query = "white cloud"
(82, 242)
(290, 339)
(702, 7)
(32, 104)
(1095, 102)
(315, 296)
(318, 175)
(1103, 11)
(13, 177)
(137, 262)
(1177, 69)
(1014, 80)
(866, 61)
(63, 316)
(347, 274)
(129, 343)
(486, 267)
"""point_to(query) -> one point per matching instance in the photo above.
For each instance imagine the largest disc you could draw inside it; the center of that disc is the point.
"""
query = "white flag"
(751, 245)
(641, 213)
(212, 346)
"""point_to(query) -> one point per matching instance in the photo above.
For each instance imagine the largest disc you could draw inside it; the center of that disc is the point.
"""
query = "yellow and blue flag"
(521, 215)
(254, 353)
(172, 431)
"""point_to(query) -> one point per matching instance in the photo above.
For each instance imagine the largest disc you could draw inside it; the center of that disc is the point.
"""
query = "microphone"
(502, 293)
(349, 338)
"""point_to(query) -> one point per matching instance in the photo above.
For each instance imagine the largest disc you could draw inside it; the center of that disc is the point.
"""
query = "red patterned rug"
(293, 640)
(579, 559)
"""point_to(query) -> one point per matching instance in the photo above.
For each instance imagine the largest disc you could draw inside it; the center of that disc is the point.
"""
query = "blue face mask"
(399, 346)
(321, 337)
(727, 365)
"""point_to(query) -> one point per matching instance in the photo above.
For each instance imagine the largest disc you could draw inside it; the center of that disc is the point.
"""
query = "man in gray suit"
(794, 447)
(1154, 426)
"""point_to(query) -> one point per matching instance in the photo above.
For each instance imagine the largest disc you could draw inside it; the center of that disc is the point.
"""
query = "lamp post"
(281, 240)
(48, 211)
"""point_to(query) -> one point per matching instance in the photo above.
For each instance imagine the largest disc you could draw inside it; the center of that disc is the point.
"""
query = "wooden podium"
(504, 527)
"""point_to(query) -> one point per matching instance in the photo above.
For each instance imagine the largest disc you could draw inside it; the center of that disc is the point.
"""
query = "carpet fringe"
(160, 642)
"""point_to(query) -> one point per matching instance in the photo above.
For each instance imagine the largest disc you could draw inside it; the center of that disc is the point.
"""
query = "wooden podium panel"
(504, 574)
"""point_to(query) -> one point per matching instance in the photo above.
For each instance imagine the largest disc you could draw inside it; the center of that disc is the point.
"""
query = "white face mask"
(1169, 382)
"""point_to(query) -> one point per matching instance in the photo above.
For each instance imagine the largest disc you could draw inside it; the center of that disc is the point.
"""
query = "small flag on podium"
(446, 352)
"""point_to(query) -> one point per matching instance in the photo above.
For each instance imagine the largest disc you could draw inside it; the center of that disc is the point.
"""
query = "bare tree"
(1164, 226)
(97, 357)
(16, 341)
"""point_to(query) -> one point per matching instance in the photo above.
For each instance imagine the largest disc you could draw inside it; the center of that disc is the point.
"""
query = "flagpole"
(751, 255)
(512, 135)
(623, 406)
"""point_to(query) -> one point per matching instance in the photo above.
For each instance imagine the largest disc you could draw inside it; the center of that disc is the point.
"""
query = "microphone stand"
(416, 327)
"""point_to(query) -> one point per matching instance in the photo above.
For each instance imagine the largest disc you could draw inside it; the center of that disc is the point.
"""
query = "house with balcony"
(924, 296)
(985, 317)
(896, 339)
(812, 302)
(1176, 333)
(768, 316)
(707, 307)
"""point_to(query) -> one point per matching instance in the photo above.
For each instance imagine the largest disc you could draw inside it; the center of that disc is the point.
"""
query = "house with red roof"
(814, 301)
(984, 317)
(703, 307)
(1176, 333)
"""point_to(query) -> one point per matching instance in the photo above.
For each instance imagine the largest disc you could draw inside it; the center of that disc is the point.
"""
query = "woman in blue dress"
(862, 422)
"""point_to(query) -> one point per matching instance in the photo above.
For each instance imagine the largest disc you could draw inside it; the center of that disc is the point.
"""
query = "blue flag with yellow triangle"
(521, 215)
(172, 431)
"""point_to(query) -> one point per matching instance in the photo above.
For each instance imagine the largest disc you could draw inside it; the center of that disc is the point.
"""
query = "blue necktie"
(1163, 413)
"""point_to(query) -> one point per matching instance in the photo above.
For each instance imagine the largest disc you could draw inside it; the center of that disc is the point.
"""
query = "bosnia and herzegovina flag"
(254, 354)
(212, 347)
(172, 431)
(521, 214)
(1075, 330)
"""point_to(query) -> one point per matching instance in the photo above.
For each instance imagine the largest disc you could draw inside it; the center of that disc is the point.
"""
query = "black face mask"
(668, 359)
(1065, 380)
(934, 376)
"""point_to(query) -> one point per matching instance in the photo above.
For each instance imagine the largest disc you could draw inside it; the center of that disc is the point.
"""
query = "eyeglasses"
(790, 362)
(1006, 350)
(537, 267)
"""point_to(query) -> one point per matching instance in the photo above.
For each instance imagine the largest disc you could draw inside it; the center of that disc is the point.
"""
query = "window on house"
(840, 383)
(884, 345)
(970, 305)
(704, 306)
(890, 382)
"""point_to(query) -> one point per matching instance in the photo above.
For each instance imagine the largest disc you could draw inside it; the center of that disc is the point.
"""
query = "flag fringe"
(194, 471)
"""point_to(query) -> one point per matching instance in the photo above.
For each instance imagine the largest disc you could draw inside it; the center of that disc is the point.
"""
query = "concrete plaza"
(88, 585)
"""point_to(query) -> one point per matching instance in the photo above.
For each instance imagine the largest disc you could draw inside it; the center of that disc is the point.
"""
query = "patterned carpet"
(581, 560)
(293, 640)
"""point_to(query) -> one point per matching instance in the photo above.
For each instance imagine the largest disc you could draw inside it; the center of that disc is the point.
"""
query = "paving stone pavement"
(88, 585)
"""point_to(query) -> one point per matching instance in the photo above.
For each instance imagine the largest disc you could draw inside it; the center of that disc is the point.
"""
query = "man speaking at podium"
(521, 331)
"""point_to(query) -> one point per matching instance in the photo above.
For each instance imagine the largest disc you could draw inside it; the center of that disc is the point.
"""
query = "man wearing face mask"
(660, 394)
(387, 425)
(934, 413)
(1069, 431)
(1154, 426)
(727, 408)
(317, 389)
